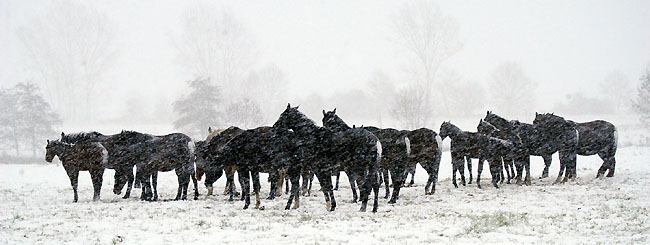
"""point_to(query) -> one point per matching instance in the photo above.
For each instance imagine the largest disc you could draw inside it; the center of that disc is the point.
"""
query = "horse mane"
(214, 133)
(80, 137)
(338, 122)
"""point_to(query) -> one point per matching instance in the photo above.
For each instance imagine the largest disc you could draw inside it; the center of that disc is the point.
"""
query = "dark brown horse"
(91, 157)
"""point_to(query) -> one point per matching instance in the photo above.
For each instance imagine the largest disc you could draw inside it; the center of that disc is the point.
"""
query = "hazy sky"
(330, 46)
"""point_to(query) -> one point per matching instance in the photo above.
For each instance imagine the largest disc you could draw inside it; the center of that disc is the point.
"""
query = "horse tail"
(438, 142)
(379, 151)
(408, 146)
(104, 154)
(615, 138)
(190, 148)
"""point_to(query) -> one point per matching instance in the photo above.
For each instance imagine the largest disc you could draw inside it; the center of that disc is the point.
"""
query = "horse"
(426, 150)
(475, 145)
(355, 150)
(206, 150)
(91, 157)
(490, 130)
(585, 139)
(115, 146)
(528, 142)
(161, 153)
(254, 151)
(396, 148)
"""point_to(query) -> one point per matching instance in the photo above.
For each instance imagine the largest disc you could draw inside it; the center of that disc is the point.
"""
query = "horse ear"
(536, 114)
(488, 113)
(354, 126)
(209, 130)
(48, 142)
(297, 107)
(334, 110)
(288, 105)
(323, 112)
(62, 134)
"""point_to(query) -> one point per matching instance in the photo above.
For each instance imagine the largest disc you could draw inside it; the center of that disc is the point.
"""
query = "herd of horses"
(296, 147)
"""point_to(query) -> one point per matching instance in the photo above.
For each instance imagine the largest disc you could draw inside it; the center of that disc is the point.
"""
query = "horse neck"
(340, 125)
(453, 131)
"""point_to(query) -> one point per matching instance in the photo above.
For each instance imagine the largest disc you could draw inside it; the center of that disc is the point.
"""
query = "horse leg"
(480, 170)
(375, 188)
(457, 163)
(244, 176)
(295, 192)
(494, 164)
(363, 193)
(311, 181)
(255, 175)
(469, 168)
(196, 186)
(564, 167)
(384, 173)
(129, 183)
(305, 182)
(526, 161)
(353, 179)
(506, 167)
(154, 184)
(338, 175)
(97, 176)
(547, 164)
(612, 166)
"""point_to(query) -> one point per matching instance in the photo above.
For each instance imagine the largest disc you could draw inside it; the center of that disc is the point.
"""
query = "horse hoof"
(196, 198)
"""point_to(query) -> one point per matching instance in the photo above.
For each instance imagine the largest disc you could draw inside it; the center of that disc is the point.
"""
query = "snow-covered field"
(36, 207)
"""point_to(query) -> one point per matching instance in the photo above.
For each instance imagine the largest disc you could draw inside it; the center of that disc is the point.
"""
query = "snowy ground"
(37, 207)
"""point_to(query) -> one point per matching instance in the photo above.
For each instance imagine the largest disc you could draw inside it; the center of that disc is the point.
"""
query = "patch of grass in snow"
(203, 224)
(490, 222)
(224, 224)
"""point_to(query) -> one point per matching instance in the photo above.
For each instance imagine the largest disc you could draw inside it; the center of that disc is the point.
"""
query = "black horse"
(595, 137)
(152, 154)
(91, 157)
(206, 151)
(254, 151)
(528, 142)
(396, 148)
(425, 149)
(475, 145)
(490, 130)
(116, 146)
(356, 150)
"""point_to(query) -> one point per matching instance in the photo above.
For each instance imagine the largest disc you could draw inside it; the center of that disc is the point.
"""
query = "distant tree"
(463, 97)
(197, 110)
(581, 104)
(410, 108)
(244, 114)
(70, 48)
(642, 101)
(616, 87)
(215, 44)
(267, 88)
(511, 90)
(429, 38)
(26, 120)
(382, 94)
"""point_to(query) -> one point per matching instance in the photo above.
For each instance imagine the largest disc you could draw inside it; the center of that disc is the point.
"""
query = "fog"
(512, 57)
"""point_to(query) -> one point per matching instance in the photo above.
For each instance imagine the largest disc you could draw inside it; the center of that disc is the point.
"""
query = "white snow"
(37, 207)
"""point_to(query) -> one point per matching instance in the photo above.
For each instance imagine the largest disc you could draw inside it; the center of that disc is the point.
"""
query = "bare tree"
(463, 97)
(267, 88)
(511, 90)
(616, 87)
(382, 94)
(410, 109)
(642, 101)
(429, 37)
(214, 44)
(71, 48)
(245, 114)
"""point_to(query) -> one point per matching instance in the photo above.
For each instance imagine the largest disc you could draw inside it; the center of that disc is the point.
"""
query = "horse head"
(447, 129)
(333, 121)
(51, 150)
(496, 120)
(292, 118)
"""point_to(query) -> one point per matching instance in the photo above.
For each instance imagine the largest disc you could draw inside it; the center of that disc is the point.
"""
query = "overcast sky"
(332, 46)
